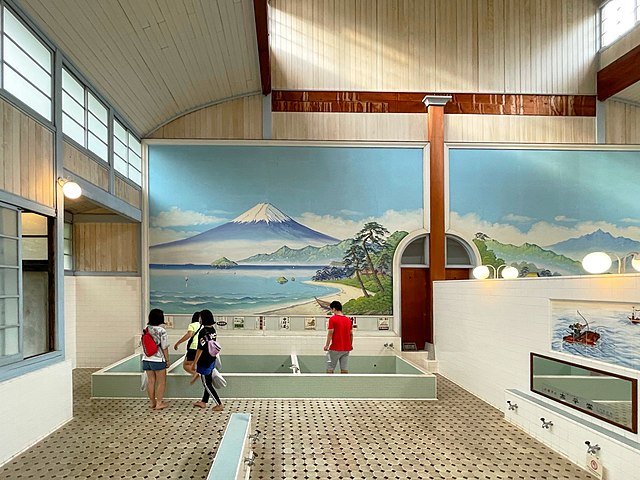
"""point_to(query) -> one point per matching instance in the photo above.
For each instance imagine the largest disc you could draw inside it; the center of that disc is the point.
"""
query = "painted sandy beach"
(346, 293)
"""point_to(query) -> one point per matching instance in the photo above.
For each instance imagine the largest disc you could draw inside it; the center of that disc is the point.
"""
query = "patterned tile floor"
(456, 437)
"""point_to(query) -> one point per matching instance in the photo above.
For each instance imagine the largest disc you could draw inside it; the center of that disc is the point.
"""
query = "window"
(68, 246)
(27, 319)
(127, 153)
(26, 65)
(458, 253)
(84, 117)
(617, 17)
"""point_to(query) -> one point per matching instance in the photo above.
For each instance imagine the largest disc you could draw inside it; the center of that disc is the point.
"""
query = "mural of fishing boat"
(581, 333)
(635, 318)
(322, 303)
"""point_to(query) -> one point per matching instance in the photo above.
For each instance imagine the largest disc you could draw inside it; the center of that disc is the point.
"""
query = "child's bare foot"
(153, 405)
(200, 405)
(218, 408)
(161, 406)
(194, 377)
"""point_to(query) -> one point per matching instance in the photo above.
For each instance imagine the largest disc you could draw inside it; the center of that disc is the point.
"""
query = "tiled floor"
(456, 437)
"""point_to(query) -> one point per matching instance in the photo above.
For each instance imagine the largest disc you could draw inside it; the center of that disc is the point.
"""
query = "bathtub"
(279, 377)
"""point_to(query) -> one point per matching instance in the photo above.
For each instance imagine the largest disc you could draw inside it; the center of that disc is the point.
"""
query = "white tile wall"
(485, 330)
(107, 317)
(32, 406)
(70, 319)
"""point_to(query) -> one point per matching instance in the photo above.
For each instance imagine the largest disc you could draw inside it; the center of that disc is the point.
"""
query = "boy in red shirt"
(339, 339)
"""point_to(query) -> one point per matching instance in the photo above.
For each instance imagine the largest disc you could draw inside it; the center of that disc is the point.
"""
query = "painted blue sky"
(544, 196)
(208, 185)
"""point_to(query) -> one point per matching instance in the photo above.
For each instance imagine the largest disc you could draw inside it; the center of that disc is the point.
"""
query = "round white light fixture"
(71, 190)
(596, 262)
(635, 262)
(481, 272)
(509, 273)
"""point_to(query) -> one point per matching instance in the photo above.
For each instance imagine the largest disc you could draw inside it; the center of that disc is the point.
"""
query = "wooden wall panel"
(235, 119)
(622, 123)
(84, 166)
(491, 46)
(127, 192)
(26, 157)
(106, 247)
(520, 129)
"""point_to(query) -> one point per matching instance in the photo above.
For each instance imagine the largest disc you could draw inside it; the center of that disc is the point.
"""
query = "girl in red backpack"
(155, 366)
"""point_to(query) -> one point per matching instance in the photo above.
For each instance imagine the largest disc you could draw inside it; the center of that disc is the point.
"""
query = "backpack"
(213, 347)
(149, 345)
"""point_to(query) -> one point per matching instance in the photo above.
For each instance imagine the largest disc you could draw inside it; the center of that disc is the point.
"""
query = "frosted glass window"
(72, 129)
(14, 29)
(8, 281)
(414, 253)
(8, 222)
(72, 87)
(26, 92)
(134, 145)
(98, 128)
(135, 176)
(73, 109)
(135, 161)
(8, 251)
(617, 17)
(9, 312)
(457, 254)
(120, 165)
(9, 341)
(68, 246)
(119, 132)
(98, 110)
(22, 63)
(97, 146)
(120, 148)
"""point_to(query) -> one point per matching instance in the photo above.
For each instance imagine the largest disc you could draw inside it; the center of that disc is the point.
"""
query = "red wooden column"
(437, 260)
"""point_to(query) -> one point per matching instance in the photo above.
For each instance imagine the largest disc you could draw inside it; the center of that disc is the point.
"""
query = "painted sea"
(238, 290)
(619, 342)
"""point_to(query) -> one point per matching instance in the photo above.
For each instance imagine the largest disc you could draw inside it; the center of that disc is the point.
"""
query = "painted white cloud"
(540, 233)
(631, 220)
(349, 212)
(512, 217)
(344, 228)
(176, 217)
(165, 235)
(563, 218)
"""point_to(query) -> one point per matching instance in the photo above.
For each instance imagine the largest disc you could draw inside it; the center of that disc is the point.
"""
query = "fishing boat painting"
(580, 333)
(605, 331)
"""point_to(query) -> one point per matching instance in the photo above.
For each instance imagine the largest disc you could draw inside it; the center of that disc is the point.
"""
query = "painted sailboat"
(635, 316)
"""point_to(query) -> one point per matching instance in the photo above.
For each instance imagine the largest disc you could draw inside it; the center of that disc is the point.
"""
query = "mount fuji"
(261, 229)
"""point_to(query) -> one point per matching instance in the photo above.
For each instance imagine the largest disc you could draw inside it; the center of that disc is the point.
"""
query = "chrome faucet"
(250, 460)
(512, 406)
(255, 436)
(592, 449)
(388, 345)
(546, 425)
(295, 368)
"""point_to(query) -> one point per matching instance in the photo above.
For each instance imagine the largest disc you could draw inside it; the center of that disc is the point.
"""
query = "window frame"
(126, 144)
(19, 356)
(634, 12)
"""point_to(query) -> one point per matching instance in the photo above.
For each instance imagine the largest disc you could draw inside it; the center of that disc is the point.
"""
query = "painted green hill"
(223, 262)
(532, 256)
(307, 255)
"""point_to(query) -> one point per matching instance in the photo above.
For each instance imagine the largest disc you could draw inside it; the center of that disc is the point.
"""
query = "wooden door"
(415, 306)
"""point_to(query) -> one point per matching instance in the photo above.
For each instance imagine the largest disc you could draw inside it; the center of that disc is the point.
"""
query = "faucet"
(388, 345)
(512, 406)
(250, 460)
(546, 425)
(592, 449)
(295, 368)
(255, 436)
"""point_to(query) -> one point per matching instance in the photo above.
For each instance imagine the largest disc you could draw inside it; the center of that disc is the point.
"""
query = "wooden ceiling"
(155, 60)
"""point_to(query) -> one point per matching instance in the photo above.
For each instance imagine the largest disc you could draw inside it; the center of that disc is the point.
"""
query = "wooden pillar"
(437, 240)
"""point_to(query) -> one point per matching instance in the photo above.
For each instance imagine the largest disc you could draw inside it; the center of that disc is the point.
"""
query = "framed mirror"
(604, 395)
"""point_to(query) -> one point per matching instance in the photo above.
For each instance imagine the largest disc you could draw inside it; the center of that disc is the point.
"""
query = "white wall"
(70, 319)
(108, 317)
(485, 330)
(32, 406)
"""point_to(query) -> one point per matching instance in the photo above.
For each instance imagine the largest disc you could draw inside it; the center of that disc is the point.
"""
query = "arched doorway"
(415, 307)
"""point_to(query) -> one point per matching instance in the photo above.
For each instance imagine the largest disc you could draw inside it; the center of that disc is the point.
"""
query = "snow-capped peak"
(262, 212)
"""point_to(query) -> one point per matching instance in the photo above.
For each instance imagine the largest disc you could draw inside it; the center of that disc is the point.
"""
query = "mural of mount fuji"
(273, 230)
(262, 228)
(542, 211)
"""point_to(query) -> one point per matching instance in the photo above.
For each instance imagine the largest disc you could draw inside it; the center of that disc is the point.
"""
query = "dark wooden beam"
(617, 76)
(262, 34)
(410, 102)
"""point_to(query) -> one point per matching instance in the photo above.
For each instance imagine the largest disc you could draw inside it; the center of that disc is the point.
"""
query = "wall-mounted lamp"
(600, 262)
(70, 189)
(505, 271)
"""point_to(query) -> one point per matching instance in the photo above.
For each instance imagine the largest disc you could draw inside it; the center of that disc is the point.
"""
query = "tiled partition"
(484, 331)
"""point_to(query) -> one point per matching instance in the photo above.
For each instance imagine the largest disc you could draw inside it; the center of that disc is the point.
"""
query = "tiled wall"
(32, 406)
(70, 319)
(108, 316)
(485, 329)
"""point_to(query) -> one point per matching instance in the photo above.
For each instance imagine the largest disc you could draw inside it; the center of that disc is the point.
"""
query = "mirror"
(607, 396)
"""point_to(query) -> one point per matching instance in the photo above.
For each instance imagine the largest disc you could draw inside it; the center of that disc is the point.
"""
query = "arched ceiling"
(155, 60)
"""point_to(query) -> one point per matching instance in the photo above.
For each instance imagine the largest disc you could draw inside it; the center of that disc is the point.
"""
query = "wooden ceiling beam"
(262, 34)
(617, 76)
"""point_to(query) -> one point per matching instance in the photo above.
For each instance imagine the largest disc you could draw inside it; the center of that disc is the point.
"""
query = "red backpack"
(149, 345)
